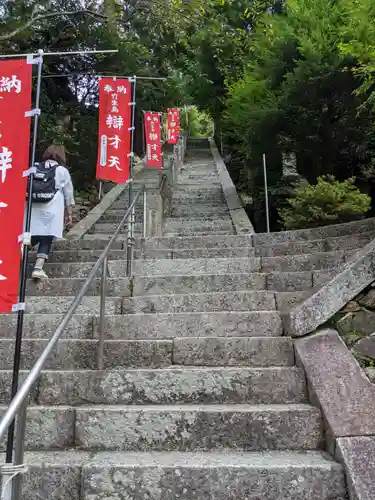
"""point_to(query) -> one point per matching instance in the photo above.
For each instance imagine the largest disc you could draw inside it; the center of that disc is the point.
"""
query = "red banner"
(15, 101)
(154, 157)
(114, 130)
(173, 126)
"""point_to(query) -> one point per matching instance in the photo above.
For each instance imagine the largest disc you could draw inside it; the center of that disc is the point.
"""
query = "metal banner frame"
(14, 467)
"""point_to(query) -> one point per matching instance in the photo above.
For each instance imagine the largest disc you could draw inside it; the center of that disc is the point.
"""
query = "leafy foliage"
(327, 202)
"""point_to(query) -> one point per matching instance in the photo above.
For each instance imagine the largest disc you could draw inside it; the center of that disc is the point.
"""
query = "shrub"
(327, 202)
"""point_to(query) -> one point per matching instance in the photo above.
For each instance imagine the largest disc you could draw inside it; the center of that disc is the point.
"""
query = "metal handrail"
(26, 387)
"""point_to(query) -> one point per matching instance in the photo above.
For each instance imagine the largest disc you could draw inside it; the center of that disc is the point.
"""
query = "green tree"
(327, 202)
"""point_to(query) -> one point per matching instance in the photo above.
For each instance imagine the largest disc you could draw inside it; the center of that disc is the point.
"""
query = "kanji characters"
(115, 141)
(153, 137)
(121, 89)
(114, 161)
(115, 122)
(7, 84)
(114, 108)
(108, 88)
(5, 162)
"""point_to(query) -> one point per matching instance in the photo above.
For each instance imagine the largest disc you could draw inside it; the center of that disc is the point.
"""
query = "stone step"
(347, 229)
(173, 428)
(165, 267)
(60, 304)
(307, 262)
(72, 354)
(197, 427)
(86, 243)
(337, 244)
(198, 210)
(212, 241)
(116, 287)
(148, 326)
(279, 264)
(192, 226)
(201, 302)
(204, 232)
(90, 255)
(170, 386)
(275, 475)
(104, 227)
(194, 253)
(238, 300)
(280, 282)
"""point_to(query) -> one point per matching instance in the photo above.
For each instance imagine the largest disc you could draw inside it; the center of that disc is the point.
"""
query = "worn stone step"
(74, 354)
(164, 267)
(173, 427)
(174, 385)
(307, 262)
(86, 244)
(155, 285)
(90, 255)
(182, 284)
(219, 223)
(235, 351)
(60, 304)
(275, 475)
(109, 228)
(190, 232)
(157, 267)
(198, 427)
(195, 253)
(201, 302)
(212, 241)
(337, 244)
(199, 210)
(116, 287)
(44, 325)
(347, 229)
(149, 326)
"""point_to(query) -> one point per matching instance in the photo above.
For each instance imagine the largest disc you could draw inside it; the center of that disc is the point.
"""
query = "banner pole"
(143, 134)
(24, 266)
(130, 243)
(266, 193)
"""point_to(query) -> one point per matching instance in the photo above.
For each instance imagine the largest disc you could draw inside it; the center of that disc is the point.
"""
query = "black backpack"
(44, 183)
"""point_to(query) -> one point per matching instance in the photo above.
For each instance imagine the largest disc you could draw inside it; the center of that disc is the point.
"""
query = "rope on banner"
(49, 54)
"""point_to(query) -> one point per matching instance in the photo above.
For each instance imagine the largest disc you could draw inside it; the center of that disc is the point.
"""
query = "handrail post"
(130, 248)
(144, 214)
(19, 450)
(103, 293)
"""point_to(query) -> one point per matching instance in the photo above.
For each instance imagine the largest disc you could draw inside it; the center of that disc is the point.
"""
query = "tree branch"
(41, 17)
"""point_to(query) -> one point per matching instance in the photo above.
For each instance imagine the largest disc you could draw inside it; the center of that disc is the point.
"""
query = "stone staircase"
(200, 396)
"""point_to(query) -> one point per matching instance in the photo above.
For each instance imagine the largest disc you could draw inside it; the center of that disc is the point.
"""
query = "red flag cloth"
(15, 101)
(115, 112)
(154, 157)
(173, 126)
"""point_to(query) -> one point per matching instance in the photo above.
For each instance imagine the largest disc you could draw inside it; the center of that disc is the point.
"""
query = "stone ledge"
(331, 298)
(84, 226)
(319, 233)
(337, 384)
(241, 221)
(357, 454)
(346, 398)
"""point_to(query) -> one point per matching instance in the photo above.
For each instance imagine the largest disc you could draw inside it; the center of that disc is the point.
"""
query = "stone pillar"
(155, 218)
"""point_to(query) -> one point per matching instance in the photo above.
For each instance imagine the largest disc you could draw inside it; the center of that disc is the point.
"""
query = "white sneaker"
(39, 274)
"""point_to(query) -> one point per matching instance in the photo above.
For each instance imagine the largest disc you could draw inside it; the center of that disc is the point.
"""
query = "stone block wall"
(356, 325)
